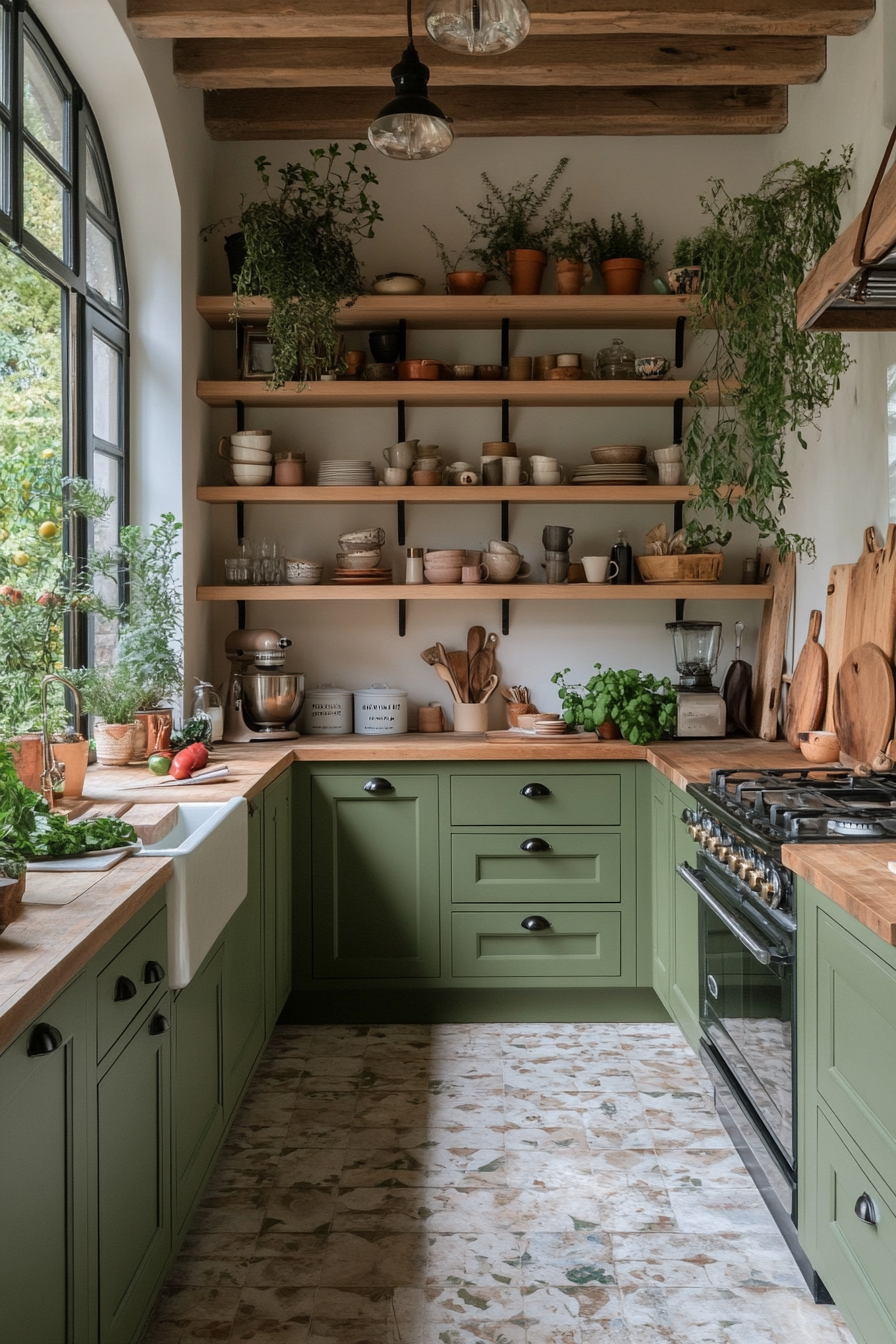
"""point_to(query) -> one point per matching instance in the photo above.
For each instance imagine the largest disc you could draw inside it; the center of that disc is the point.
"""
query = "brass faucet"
(52, 775)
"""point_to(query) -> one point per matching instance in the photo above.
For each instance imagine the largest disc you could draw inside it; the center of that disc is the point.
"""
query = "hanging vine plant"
(755, 253)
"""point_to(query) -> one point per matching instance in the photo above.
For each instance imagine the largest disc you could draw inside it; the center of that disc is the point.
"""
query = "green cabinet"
(582, 945)
(662, 883)
(44, 1249)
(278, 894)
(197, 1090)
(375, 875)
(245, 991)
(541, 796)
(516, 866)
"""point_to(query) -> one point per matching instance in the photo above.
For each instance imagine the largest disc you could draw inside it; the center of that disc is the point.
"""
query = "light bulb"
(477, 27)
(410, 135)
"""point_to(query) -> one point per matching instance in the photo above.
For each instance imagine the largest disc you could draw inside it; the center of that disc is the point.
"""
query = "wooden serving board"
(864, 703)
(860, 622)
(835, 631)
(807, 697)
(772, 636)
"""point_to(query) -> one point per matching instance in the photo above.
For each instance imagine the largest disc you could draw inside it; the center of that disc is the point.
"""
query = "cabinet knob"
(124, 989)
(153, 973)
(535, 924)
(378, 785)
(866, 1209)
(535, 791)
(535, 846)
(44, 1039)
(159, 1025)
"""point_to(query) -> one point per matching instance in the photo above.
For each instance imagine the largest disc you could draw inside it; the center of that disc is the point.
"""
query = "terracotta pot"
(571, 276)
(526, 270)
(684, 280)
(152, 732)
(466, 282)
(73, 755)
(12, 889)
(114, 743)
(28, 757)
(608, 731)
(622, 275)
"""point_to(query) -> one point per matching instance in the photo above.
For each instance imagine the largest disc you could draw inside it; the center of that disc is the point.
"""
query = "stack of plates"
(550, 728)
(625, 473)
(350, 576)
(346, 471)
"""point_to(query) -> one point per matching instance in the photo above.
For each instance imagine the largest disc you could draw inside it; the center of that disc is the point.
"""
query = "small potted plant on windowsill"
(623, 253)
(570, 249)
(516, 230)
(113, 697)
(687, 265)
(459, 281)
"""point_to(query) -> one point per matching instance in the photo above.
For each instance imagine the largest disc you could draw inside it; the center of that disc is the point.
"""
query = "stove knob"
(694, 831)
(733, 860)
(743, 869)
(722, 852)
(753, 879)
(765, 890)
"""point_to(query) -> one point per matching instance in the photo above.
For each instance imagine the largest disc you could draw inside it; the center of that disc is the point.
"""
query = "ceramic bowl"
(364, 540)
(565, 373)
(398, 282)
(429, 369)
(380, 373)
(244, 475)
(304, 572)
(358, 559)
(464, 370)
(502, 548)
(615, 454)
(820, 748)
(502, 568)
(546, 477)
(652, 367)
(491, 372)
(249, 457)
(442, 575)
(671, 454)
(436, 557)
(427, 478)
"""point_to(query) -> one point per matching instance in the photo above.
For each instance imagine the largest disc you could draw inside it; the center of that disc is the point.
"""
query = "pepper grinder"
(621, 553)
(413, 570)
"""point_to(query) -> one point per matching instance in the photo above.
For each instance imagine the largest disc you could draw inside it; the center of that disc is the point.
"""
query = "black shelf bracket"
(678, 516)
(505, 615)
(401, 422)
(402, 338)
(241, 615)
(240, 416)
(505, 421)
(505, 520)
(240, 522)
(401, 522)
(677, 419)
(679, 608)
(402, 618)
(505, 342)
(680, 323)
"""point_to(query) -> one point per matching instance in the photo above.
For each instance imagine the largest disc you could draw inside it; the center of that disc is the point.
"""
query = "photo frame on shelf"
(258, 354)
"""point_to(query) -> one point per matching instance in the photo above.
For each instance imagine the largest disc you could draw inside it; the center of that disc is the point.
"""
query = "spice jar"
(615, 361)
(289, 469)
(413, 572)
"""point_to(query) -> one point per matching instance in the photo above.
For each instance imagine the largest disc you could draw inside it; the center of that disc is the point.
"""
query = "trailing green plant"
(300, 254)
(755, 253)
(450, 261)
(572, 242)
(516, 217)
(642, 706)
(112, 694)
(197, 729)
(622, 240)
(688, 251)
(29, 830)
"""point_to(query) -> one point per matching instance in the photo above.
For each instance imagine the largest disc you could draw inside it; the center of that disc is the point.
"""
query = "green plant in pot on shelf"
(515, 228)
(571, 248)
(687, 264)
(755, 252)
(459, 280)
(637, 705)
(623, 252)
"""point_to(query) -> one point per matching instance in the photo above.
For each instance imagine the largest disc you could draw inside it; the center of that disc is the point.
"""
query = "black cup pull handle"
(159, 1025)
(43, 1040)
(153, 973)
(124, 989)
(378, 785)
(866, 1209)
(535, 791)
(535, 846)
(535, 924)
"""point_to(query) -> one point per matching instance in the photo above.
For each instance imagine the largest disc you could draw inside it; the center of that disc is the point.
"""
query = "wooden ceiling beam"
(596, 62)
(340, 114)
(386, 18)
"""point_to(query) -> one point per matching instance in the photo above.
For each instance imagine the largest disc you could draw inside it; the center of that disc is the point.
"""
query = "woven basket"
(114, 743)
(705, 568)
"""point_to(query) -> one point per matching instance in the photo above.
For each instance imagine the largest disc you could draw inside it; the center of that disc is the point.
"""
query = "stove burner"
(857, 829)
(801, 804)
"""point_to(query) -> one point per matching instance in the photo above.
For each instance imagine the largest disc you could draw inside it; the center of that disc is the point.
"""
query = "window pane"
(106, 381)
(46, 203)
(96, 194)
(105, 536)
(44, 106)
(5, 37)
(4, 169)
(102, 268)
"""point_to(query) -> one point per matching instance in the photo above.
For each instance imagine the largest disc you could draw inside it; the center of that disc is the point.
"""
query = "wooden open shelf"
(472, 392)
(458, 592)
(446, 494)
(424, 312)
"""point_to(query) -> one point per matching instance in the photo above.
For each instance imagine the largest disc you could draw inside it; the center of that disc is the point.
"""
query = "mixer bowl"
(273, 699)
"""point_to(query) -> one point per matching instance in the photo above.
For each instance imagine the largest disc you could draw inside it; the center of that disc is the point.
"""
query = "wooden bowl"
(704, 568)
(615, 454)
(820, 748)
(430, 369)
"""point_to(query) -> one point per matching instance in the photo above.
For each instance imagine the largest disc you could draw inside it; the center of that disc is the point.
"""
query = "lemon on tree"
(20, 558)
(48, 530)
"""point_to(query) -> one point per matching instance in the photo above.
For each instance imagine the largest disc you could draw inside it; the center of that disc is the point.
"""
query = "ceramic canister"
(328, 709)
(381, 711)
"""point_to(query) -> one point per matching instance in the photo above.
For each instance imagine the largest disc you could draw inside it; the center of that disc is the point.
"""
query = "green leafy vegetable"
(29, 830)
(641, 705)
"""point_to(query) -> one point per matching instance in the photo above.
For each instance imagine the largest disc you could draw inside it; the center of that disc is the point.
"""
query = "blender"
(701, 709)
(262, 700)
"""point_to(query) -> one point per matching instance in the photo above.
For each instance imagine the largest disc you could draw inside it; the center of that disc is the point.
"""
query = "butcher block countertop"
(855, 877)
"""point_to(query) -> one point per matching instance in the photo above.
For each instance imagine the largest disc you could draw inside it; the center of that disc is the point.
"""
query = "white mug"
(596, 568)
(511, 473)
(253, 438)
(396, 476)
(401, 454)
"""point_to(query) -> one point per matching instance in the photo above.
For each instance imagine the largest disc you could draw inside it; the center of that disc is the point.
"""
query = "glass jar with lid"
(615, 361)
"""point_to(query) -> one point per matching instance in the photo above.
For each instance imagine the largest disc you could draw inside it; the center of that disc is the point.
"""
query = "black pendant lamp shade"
(411, 126)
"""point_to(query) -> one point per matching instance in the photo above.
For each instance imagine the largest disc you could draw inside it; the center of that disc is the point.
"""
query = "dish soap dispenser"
(621, 553)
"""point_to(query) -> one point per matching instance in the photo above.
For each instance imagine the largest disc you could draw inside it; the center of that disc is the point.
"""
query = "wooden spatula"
(460, 666)
(448, 676)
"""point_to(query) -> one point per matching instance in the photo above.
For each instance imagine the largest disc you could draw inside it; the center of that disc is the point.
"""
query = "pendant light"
(477, 27)
(411, 126)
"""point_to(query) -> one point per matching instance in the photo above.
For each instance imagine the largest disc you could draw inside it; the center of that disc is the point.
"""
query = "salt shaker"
(413, 572)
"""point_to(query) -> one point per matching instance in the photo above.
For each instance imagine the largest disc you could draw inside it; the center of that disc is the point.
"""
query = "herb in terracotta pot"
(623, 252)
(515, 230)
(113, 696)
(570, 248)
(459, 280)
(642, 706)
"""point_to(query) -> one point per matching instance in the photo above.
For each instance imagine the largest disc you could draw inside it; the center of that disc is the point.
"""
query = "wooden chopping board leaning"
(807, 697)
(864, 705)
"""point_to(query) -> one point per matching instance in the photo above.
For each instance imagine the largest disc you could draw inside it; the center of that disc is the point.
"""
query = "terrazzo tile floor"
(484, 1184)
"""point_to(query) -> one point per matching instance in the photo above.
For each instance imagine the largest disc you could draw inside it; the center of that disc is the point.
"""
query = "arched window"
(63, 318)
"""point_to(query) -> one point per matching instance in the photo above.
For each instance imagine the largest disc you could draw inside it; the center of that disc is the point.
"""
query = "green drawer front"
(574, 800)
(857, 1042)
(579, 944)
(854, 1258)
(113, 1016)
(493, 868)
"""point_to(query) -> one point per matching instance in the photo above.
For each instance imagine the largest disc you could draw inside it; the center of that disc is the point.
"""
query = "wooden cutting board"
(879, 624)
(864, 703)
(772, 635)
(835, 631)
(808, 694)
(863, 580)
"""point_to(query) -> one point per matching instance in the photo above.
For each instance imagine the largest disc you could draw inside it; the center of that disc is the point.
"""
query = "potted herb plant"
(456, 280)
(623, 252)
(515, 229)
(113, 696)
(687, 264)
(570, 248)
(636, 705)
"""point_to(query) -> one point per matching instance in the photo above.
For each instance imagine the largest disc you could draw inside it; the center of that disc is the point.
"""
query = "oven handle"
(761, 951)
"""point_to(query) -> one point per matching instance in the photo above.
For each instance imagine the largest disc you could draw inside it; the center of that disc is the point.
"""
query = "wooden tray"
(706, 568)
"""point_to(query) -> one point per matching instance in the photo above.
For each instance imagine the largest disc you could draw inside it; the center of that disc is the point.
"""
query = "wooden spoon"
(488, 688)
(460, 666)
(448, 676)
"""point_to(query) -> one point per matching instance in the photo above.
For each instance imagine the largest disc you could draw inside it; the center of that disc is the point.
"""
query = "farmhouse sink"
(209, 848)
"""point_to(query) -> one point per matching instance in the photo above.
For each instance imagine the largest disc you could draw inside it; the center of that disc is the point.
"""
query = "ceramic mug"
(596, 568)
(506, 568)
(511, 474)
(253, 438)
(396, 476)
(555, 537)
(401, 454)
(491, 470)
(473, 573)
(547, 477)
(556, 571)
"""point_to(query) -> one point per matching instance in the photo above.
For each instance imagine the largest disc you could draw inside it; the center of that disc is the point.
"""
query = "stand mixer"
(262, 701)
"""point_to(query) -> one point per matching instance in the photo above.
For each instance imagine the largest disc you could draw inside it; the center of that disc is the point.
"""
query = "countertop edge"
(860, 891)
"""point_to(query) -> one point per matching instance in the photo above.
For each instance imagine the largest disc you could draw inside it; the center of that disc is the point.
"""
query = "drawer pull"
(124, 989)
(866, 1209)
(153, 973)
(535, 791)
(535, 924)
(43, 1040)
(378, 785)
(159, 1025)
(535, 846)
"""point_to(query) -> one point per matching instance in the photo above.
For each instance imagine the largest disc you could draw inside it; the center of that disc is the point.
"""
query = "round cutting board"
(864, 703)
(808, 692)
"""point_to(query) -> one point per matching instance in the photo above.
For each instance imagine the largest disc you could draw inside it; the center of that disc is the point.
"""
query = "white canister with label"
(328, 710)
(381, 711)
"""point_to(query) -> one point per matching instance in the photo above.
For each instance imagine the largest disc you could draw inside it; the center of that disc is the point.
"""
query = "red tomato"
(194, 757)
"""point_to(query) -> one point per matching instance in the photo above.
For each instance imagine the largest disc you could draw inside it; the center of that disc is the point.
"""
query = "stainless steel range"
(740, 820)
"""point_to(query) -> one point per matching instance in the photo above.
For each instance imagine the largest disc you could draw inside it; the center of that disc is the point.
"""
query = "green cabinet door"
(278, 840)
(197, 1070)
(551, 865)
(663, 883)
(134, 1175)
(44, 1268)
(244, 974)
(375, 860)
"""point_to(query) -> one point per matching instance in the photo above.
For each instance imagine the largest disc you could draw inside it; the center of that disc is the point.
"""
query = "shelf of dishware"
(457, 592)
(480, 312)
(458, 392)
(447, 494)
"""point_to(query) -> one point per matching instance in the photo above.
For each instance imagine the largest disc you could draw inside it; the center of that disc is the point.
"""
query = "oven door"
(747, 1000)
